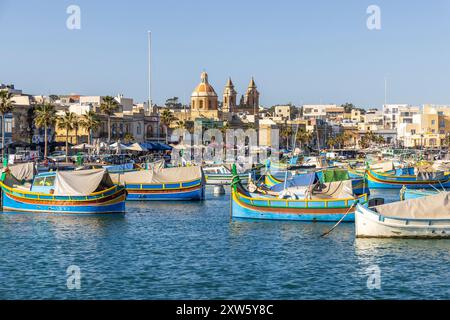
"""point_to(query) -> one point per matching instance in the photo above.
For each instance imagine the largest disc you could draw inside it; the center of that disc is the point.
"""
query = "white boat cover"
(330, 190)
(81, 183)
(431, 175)
(430, 207)
(165, 175)
(441, 165)
(23, 171)
(382, 166)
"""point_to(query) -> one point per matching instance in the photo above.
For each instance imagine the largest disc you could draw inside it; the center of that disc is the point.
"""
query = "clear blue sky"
(298, 51)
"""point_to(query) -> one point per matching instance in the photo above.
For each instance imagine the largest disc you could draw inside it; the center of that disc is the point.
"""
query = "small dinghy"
(426, 217)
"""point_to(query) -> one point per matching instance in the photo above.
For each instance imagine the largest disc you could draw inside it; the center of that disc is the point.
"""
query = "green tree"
(286, 133)
(167, 118)
(108, 106)
(45, 117)
(348, 107)
(6, 106)
(303, 137)
(77, 123)
(53, 97)
(65, 122)
(90, 122)
(128, 138)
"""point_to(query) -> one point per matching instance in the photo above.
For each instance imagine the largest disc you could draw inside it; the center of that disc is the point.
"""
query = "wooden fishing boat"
(426, 217)
(245, 204)
(177, 183)
(392, 180)
(220, 175)
(74, 192)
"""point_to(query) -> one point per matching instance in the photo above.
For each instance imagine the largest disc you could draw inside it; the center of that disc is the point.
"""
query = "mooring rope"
(343, 217)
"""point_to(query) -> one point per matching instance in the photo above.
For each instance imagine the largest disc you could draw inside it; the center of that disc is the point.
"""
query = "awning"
(156, 146)
(137, 147)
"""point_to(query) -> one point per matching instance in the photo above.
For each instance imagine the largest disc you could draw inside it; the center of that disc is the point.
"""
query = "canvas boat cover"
(81, 183)
(334, 190)
(23, 171)
(331, 190)
(430, 207)
(165, 175)
(436, 175)
(382, 166)
(334, 175)
(300, 180)
(441, 165)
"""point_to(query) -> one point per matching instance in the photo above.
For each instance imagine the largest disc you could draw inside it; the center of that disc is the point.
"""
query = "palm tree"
(108, 107)
(286, 132)
(90, 122)
(45, 117)
(77, 122)
(167, 118)
(65, 122)
(5, 107)
(180, 124)
(224, 129)
(303, 137)
(331, 142)
(128, 138)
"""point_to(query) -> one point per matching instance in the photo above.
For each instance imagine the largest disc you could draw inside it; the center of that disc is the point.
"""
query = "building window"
(138, 129)
(8, 126)
(433, 122)
(201, 104)
(193, 104)
(413, 131)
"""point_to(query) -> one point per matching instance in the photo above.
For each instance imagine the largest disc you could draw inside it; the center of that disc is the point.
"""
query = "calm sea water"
(193, 251)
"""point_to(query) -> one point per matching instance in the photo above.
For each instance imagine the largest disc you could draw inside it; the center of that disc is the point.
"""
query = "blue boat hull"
(177, 195)
(10, 204)
(244, 213)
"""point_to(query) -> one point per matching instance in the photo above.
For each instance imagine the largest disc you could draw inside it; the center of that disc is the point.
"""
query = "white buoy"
(219, 190)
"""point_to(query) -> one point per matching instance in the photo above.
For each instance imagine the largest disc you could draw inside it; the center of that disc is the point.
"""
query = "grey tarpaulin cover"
(23, 171)
(430, 207)
(81, 183)
(167, 175)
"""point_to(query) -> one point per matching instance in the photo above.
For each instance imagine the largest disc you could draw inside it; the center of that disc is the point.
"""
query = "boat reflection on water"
(291, 229)
(62, 226)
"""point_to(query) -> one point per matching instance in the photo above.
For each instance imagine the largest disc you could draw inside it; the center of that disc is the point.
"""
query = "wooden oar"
(343, 217)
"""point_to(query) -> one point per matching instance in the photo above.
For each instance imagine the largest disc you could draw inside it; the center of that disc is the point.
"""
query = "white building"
(283, 112)
(316, 111)
(394, 114)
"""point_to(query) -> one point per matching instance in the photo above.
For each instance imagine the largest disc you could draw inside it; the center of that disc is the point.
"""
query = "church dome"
(204, 89)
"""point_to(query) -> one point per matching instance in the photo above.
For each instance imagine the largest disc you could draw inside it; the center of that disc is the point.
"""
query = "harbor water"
(192, 250)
